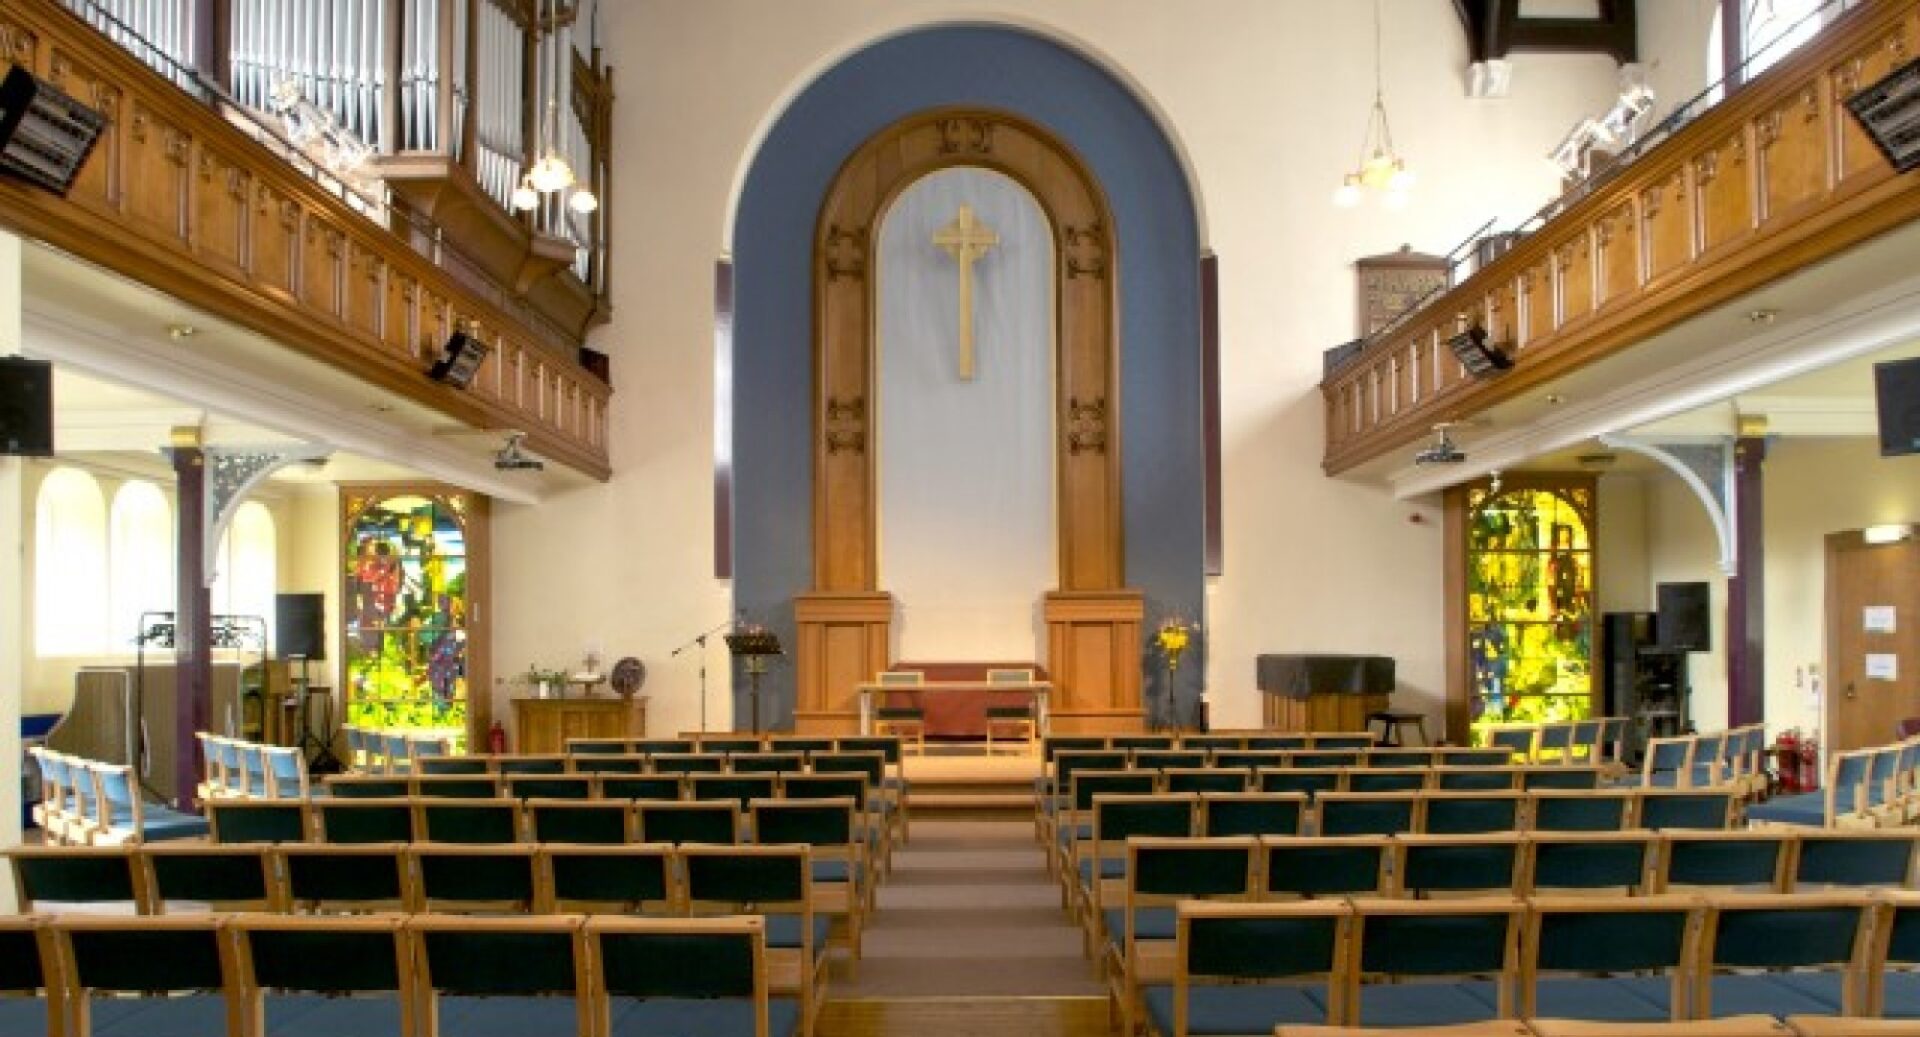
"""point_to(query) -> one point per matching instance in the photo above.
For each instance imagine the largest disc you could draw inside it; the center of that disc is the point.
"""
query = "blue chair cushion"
(1251, 1009)
(508, 1016)
(716, 1018)
(1807, 808)
(1763, 995)
(313, 1015)
(1110, 868)
(784, 931)
(160, 824)
(1903, 995)
(194, 1016)
(1824, 987)
(1149, 923)
(1420, 1004)
(1600, 1000)
(835, 871)
(23, 1015)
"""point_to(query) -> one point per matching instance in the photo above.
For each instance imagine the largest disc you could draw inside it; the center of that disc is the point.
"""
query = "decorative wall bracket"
(231, 473)
(1707, 469)
(1085, 252)
(966, 136)
(1087, 425)
(846, 425)
(846, 253)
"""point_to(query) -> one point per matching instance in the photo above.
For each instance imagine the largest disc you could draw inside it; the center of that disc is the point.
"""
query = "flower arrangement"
(1173, 638)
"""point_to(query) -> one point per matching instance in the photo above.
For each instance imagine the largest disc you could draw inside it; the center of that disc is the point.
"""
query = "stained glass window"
(1530, 621)
(405, 605)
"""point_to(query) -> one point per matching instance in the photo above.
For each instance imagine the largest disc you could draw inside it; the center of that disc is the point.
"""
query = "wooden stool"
(1393, 722)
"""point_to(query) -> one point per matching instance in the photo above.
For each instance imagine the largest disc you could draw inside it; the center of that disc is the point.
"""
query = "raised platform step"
(964, 806)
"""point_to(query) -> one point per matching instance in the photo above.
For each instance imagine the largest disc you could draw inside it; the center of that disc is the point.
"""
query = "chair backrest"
(1368, 813)
(396, 751)
(223, 878)
(1756, 860)
(652, 746)
(715, 821)
(642, 786)
(689, 763)
(1010, 675)
(1468, 813)
(1088, 784)
(597, 746)
(1343, 740)
(901, 678)
(1476, 779)
(1252, 813)
(363, 820)
(286, 772)
(1613, 737)
(1237, 944)
(1319, 757)
(680, 958)
(1423, 938)
(1616, 861)
(855, 787)
(1253, 759)
(1686, 808)
(151, 957)
(799, 744)
(531, 764)
(332, 956)
(741, 788)
(505, 957)
(886, 745)
(1265, 742)
(467, 820)
(1598, 936)
(1846, 790)
(1362, 779)
(1213, 743)
(1055, 744)
(1119, 818)
(748, 880)
(1562, 777)
(1557, 740)
(1586, 740)
(1668, 756)
(1785, 931)
(1307, 781)
(1883, 770)
(1208, 779)
(1319, 866)
(491, 879)
(810, 822)
(549, 786)
(455, 786)
(1519, 740)
(45, 875)
(121, 808)
(592, 764)
(1882, 858)
(1398, 758)
(1163, 759)
(454, 765)
(598, 821)
(766, 763)
(28, 968)
(258, 821)
(1138, 742)
(1069, 762)
(635, 878)
(1558, 810)
(253, 761)
(363, 786)
(1470, 757)
(1425, 864)
(347, 878)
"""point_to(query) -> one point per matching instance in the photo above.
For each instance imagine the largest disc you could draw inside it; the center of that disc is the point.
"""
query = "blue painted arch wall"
(1157, 259)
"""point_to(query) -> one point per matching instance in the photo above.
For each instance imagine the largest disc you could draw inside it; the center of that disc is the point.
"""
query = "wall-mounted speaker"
(26, 407)
(1896, 386)
(1684, 622)
(459, 361)
(300, 622)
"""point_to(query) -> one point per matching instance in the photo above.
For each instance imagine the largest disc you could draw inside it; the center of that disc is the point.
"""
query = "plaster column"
(1746, 588)
(14, 601)
(193, 609)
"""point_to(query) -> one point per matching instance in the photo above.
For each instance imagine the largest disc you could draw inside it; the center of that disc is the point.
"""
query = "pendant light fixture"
(550, 172)
(1380, 168)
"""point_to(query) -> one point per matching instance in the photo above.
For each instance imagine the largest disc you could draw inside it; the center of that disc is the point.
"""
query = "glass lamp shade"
(525, 198)
(550, 174)
(583, 202)
(1347, 195)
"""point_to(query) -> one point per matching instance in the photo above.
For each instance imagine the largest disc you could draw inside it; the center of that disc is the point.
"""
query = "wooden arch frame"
(1093, 619)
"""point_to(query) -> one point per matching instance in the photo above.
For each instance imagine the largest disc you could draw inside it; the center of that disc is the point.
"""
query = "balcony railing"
(190, 193)
(1718, 200)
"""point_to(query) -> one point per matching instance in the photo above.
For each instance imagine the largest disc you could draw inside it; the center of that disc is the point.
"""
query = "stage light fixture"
(459, 361)
(45, 135)
(1442, 451)
(1481, 358)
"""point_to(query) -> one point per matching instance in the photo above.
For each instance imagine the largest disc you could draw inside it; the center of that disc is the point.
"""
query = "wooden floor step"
(955, 806)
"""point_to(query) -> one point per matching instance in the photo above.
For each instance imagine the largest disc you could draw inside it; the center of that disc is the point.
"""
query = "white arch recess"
(1707, 470)
(832, 59)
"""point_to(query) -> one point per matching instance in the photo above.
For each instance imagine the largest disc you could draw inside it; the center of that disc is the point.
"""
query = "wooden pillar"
(844, 639)
(1093, 653)
(193, 611)
(1746, 588)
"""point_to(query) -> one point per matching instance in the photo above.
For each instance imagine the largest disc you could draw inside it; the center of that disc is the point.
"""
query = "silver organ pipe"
(330, 49)
(158, 32)
(499, 134)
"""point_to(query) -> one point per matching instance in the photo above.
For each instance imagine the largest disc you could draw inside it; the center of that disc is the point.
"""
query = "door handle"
(1850, 692)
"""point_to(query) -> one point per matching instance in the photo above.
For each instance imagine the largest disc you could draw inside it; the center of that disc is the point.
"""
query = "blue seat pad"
(1110, 868)
(23, 1015)
(1807, 808)
(1824, 987)
(1903, 995)
(1149, 923)
(509, 1016)
(836, 871)
(1597, 999)
(1763, 995)
(193, 1016)
(1254, 1009)
(784, 931)
(314, 1015)
(730, 1017)
(1421, 1004)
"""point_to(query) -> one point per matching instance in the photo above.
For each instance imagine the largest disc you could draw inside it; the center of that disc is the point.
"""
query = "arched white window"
(247, 566)
(140, 554)
(69, 565)
(1774, 28)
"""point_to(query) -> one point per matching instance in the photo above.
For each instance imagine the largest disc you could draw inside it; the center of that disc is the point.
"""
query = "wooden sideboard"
(544, 725)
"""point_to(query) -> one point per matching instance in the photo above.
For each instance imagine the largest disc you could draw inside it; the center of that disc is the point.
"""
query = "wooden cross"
(966, 239)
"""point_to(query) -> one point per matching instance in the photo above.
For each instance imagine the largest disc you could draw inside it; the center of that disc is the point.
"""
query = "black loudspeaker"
(300, 621)
(26, 407)
(1683, 622)
(460, 361)
(1896, 386)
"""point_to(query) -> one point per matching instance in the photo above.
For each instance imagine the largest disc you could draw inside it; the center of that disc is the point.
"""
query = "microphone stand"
(700, 639)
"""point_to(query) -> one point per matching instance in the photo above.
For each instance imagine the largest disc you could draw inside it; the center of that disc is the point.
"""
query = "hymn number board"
(1391, 284)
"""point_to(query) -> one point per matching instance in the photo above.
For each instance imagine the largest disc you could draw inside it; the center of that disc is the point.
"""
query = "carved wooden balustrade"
(177, 197)
(1775, 178)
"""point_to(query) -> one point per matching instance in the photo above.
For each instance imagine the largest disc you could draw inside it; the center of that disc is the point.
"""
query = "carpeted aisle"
(970, 912)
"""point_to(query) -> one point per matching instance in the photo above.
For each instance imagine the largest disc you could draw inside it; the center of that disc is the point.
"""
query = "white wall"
(14, 592)
(1267, 99)
(1813, 487)
(1675, 41)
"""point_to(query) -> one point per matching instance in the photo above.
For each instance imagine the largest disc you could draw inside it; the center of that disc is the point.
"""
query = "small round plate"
(628, 675)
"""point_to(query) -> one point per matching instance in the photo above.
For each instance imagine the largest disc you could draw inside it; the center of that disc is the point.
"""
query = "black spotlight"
(45, 136)
(460, 361)
(1480, 358)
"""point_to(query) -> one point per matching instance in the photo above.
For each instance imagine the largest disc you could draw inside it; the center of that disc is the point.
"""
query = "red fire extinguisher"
(496, 738)
(1809, 764)
(1786, 755)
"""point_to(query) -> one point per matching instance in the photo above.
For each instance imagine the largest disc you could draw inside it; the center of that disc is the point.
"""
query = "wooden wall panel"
(1724, 182)
(1617, 244)
(276, 235)
(221, 204)
(1573, 263)
(156, 158)
(365, 291)
(1793, 153)
(99, 184)
(322, 268)
(843, 642)
(1666, 210)
(1855, 152)
(1541, 301)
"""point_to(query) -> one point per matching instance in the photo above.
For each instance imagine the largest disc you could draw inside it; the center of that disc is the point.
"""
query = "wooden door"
(1863, 710)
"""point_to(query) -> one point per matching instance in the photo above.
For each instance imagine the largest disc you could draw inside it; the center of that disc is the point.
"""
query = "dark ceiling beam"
(1495, 29)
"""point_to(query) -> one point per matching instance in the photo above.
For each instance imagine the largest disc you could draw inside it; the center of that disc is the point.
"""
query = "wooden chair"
(1522, 741)
(1020, 719)
(1412, 952)
(219, 878)
(473, 878)
(1426, 866)
(31, 999)
(1843, 798)
(146, 975)
(1310, 782)
(906, 722)
(775, 883)
(341, 975)
(1590, 862)
(1540, 778)
(1812, 946)
(72, 875)
(842, 876)
(126, 818)
(1857, 859)
(1247, 968)
(1669, 762)
(1141, 927)
(637, 878)
(1732, 1026)
(1225, 814)
(1075, 822)
(527, 975)
(1099, 867)
(1613, 960)
(1310, 867)
(684, 975)
(236, 821)
(856, 787)
(1893, 981)
(286, 772)
(346, 879)
(1759, 861)
(1491, 1028)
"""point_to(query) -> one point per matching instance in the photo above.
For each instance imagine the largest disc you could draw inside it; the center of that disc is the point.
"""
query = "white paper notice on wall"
(1883, 666)
(1879, 619)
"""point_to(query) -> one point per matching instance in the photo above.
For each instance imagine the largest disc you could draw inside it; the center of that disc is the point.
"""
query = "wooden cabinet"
(544, 725)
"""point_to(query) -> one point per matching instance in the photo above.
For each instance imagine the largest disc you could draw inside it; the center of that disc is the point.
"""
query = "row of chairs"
(1132, 920)
(1248, 968)
(1877, 786)
(1211, 741)
(1594, 740)
(1725, 1026)
(414, 976)
(1712, 758)
(383, 751)
(89, 802)
(235, 767)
